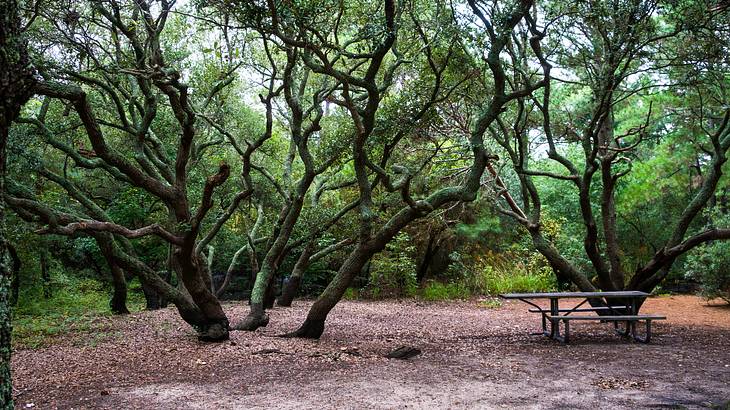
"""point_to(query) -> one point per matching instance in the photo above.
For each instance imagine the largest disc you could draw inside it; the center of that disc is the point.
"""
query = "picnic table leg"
(647, 339)
(554, 311)
(566, 338)
(633, 329)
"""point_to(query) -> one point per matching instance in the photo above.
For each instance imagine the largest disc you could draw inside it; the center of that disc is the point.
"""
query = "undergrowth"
(75, 305)
(393, 275)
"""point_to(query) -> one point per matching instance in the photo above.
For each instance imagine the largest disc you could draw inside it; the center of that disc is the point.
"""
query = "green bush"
(393, 271)
(710, 266)
(518, 279)
(512, 271)
(351, 294)
(491, 273)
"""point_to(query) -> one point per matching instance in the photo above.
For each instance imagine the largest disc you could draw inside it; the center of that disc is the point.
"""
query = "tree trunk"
(262, 293)
(6, 385)
(16, 80)
(45, 274)
(152, 299)
(313, 326)
(118, 303)
(15, 274)
(209, 267)
(431, 249)
(257, 316)
(270, 296)
(214, 326)
(199, 315)
(291, 288)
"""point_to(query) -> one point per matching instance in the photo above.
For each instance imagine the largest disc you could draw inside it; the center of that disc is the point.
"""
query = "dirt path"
(473, 357)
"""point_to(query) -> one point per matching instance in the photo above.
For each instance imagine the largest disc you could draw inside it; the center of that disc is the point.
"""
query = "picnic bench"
(609, 307)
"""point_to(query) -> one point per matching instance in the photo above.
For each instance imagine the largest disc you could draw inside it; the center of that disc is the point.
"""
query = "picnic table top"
(554, 295)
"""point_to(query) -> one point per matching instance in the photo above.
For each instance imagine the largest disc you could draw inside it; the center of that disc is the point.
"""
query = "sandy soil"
(473, 357)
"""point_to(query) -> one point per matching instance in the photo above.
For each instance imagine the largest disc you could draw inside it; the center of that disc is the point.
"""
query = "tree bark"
(16, 80)
(428, 253)
(262, 292)
(291, 287)
(152, 299)
(6, 385)
(15, 274)
(118, 302)
(305, 259)
(45, 274)
(313, 326)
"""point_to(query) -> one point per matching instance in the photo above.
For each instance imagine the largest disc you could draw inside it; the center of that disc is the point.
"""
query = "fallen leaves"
(612, 383)
(472, 353)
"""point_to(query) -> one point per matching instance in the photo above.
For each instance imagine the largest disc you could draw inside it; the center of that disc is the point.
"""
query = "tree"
(16, 81)
(611, 49)
(364, 77)
(136, 78)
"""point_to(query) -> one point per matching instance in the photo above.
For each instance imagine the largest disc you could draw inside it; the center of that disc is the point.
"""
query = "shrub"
(710, 266)
(393, 271)
(512, 271)
(519, 279)
(351, 294)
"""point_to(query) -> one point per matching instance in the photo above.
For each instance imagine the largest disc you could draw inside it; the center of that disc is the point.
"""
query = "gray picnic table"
(614, 306)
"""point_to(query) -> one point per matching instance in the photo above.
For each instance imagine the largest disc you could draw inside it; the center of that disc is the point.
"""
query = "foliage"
(76, 304)
(393, 272)
(710, 266)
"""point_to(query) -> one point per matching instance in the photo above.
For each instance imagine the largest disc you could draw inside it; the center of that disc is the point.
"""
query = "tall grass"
(491, 274)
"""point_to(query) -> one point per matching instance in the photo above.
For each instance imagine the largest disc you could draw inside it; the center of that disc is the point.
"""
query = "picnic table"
(614, 306)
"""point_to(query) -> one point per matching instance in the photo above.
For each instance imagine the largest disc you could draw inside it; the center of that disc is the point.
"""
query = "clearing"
(473, 357)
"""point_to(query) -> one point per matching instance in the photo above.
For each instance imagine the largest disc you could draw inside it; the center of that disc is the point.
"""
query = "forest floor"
(473, 356)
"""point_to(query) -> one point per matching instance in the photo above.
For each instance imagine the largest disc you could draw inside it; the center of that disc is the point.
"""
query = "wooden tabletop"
(558, 295)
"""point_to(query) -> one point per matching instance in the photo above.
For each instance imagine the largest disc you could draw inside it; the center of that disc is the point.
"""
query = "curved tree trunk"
(313, 326)
(261, 294)
(214, 326)
(291, 287)
(305, 259)
(210, 325)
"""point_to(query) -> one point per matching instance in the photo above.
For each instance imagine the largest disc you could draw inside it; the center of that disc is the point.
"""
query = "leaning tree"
(364, 59)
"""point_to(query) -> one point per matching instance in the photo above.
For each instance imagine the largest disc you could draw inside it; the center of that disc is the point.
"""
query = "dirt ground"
(473, 357)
